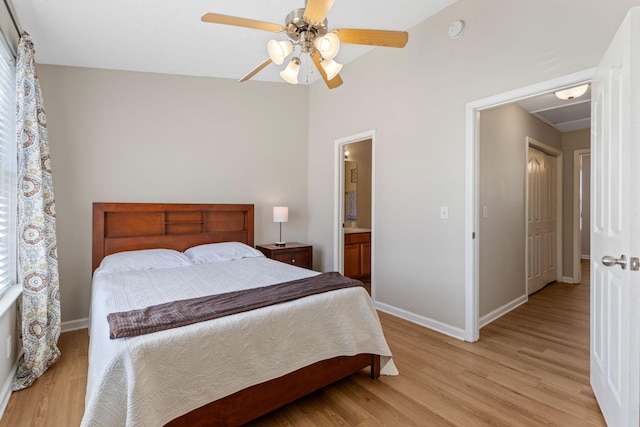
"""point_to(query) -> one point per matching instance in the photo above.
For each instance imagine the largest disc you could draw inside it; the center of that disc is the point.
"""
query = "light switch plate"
(444, 212)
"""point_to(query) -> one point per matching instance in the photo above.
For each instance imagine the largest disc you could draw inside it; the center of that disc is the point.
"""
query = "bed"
(225, 371)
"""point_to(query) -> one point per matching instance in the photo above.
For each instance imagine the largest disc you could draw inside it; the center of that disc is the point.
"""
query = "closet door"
(541, 219)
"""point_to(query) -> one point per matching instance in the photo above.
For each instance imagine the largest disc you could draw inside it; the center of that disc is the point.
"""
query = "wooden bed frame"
(121, 227)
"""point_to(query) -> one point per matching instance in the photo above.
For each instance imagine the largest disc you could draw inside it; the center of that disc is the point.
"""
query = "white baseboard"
(6, 391)
(573, 280)
(437, 326)
(501, 311)
(585, 257)
(73, 325)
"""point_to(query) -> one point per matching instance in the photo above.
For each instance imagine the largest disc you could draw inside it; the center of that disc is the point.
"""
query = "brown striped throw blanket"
(185, 312)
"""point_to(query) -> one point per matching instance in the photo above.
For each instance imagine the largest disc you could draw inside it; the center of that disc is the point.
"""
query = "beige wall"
(124, 137)
(571, 141)
(146, 137)
(415, 99)
(503, 159)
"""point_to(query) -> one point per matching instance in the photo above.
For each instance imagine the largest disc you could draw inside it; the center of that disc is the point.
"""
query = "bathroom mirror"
(350, 191)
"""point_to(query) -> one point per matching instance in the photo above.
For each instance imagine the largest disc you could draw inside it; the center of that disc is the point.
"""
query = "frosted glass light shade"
(572, 92)
(280, 214)
(290, 74)
(331, 67)
(278, 50)
(328, 45)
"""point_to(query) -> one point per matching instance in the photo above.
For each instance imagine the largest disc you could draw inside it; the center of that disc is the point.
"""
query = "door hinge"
(473, 235)
(634, 264)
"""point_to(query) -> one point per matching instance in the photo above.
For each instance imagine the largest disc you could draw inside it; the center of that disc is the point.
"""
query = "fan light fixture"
(308, 32)
(328, 45)
(278, 51)
(290, 74)
(331, 67)
(572, 92)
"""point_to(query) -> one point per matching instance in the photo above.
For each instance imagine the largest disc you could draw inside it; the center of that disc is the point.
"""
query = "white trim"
(501, 311)
(472, 225)
(338, 201)
(9, 297)
(566, 279)
(7, 387)
(577, 236)
(437, 326)
(472, 330)
(74, 325)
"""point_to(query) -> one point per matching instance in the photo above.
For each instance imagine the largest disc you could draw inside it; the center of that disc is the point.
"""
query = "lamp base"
(280, 244)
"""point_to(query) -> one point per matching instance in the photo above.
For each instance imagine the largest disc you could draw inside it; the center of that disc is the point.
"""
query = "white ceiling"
(167, 36)
(565, 116)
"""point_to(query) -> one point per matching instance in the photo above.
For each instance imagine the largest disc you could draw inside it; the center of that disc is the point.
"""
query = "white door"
(615, 215)
(541, 219)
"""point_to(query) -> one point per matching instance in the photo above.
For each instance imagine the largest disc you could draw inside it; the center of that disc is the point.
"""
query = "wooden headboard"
(121, 227)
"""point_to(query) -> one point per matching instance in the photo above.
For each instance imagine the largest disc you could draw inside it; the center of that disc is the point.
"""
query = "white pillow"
(216, 252)
(142, 260)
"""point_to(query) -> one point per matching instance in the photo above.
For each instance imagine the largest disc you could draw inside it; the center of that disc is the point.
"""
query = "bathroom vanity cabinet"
(357, 255)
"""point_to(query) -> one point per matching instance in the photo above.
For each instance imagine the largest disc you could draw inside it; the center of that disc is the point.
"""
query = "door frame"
(338, 235)
(472, 167)
(531, 142)
(577, 236)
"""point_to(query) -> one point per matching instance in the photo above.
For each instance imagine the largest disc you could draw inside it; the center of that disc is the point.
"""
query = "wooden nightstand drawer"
(293, 253)
(299, 258)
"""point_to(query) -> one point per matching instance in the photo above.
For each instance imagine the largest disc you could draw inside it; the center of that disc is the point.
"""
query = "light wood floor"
(530, 368)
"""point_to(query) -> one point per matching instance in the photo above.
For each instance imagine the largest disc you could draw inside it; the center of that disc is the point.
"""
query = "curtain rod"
(15, 25)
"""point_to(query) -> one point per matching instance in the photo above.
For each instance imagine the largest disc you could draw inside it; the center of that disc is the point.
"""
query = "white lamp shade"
(290, 74)
(331, 67)
(572, 92)
(280, 214)
(278, 50)
(328, 45)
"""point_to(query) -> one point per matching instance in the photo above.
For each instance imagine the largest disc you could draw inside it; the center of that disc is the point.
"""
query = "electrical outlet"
(9, 346)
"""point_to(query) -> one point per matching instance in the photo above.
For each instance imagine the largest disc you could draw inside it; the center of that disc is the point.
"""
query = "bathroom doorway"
(355, 208)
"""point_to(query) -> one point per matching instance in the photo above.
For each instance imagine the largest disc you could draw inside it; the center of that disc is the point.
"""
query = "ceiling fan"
(307, 28)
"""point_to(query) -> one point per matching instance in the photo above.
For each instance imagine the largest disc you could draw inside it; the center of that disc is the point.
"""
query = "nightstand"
(298, 254)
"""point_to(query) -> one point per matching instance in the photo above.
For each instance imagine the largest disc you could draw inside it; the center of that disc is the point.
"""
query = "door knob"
(610, 261)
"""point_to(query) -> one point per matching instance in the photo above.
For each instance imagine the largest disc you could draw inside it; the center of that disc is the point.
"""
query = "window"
(8, 167)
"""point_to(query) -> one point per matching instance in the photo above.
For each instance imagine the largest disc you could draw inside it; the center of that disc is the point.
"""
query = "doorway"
(355, 202)
(472, 186)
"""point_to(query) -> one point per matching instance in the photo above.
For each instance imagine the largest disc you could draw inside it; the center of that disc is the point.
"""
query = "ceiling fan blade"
(216, 18)
(334, 82)
(256, 70)
(372, 37)
(317, 10)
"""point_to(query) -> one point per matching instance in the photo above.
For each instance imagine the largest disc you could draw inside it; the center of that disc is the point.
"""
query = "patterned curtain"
(37, 248)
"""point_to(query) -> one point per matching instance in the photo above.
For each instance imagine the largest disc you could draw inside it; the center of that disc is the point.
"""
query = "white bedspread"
(151, 379)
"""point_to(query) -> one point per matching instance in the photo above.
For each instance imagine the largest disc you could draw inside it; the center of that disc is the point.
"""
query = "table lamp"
(280, 214)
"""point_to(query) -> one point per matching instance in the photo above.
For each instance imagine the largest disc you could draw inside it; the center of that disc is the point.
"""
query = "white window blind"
(8, 168)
